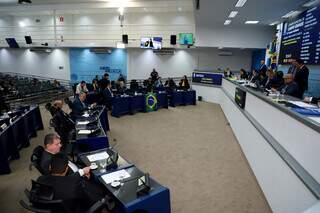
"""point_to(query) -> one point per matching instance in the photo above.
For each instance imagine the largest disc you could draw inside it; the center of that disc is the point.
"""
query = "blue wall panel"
(85, 65)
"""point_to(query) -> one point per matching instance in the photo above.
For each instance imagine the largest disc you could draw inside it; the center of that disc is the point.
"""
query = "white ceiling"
(215, 12)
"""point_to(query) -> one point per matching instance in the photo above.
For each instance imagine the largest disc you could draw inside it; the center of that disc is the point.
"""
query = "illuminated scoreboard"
(301, 38)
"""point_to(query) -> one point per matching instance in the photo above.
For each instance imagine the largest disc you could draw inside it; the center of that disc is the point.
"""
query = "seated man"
(81, 87)
(52, 146)
(243, 74)
(290, 87)
(77, 194)
(79, 105)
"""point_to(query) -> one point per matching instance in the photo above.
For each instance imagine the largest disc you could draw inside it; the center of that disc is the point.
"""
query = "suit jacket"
(107, 97)
(263, 69)
(78, 107)
(73, 190)
(315, 100)
(291, 89)
(45, 162)
(301, 78)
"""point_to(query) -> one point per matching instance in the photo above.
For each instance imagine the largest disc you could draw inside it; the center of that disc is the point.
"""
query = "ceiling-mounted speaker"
(197, 4)
(173, 39)
(24, 1)
(12, 43)
(28, 39)
(125, 39)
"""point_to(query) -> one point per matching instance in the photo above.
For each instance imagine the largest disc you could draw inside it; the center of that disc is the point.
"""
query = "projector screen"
(186, 38)
(157, 43)
(146, 43)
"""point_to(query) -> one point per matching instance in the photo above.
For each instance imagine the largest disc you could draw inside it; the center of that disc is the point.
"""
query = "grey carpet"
(191, 150)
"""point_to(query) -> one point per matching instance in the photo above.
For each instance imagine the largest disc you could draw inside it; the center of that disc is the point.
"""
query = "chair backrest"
(36, 158)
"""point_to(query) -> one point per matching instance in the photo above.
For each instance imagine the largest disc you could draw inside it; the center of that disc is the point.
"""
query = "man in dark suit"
(301, 76)
(79, 106)
(103, 82)
(263, 68)
(76, 193)
(107, 96)
(290, 87)
(52, 146)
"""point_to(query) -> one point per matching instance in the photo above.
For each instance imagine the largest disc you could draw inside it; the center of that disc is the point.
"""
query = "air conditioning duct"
(101, 50)
(164, 51)
(225, 53)
(41, 49)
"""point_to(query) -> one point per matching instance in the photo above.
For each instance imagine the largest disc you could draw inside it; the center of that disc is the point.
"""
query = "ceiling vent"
(101, 50)
(164, 51)
(225, 53)
(41, 49)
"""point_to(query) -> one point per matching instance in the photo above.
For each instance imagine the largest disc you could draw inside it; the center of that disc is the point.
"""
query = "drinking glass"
(103, 164)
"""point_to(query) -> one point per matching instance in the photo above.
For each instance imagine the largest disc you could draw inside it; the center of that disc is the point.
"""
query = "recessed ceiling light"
(311, 3)
(251, 22)
(145, 9)
(227, 22)
(22, 24)
(241, 3)
(233, 14)
(179, 9)
(291, 14)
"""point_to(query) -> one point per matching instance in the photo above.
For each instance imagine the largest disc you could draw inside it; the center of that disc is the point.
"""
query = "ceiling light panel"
(233, 14)
(241, 3)
(227, 22)
(251, 22)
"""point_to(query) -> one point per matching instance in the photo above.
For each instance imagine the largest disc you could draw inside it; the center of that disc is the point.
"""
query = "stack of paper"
(82, 122)
(302, 104)
(84, 132)
(115, 176)
(98, 156)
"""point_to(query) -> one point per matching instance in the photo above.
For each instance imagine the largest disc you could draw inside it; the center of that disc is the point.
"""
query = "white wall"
(101, 29)
(40, 64)
(184, 62)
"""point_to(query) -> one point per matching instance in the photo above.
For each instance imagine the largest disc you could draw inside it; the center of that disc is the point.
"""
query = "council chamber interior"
(159, 106)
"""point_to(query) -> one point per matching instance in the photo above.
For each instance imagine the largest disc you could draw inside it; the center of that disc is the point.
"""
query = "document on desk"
(114, 176)
(84, 132)
(316, 119)
(98, 156)
(82, 122)
(302, 104)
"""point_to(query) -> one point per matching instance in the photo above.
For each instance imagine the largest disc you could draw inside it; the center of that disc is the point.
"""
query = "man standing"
(301, 77)
(263, 68)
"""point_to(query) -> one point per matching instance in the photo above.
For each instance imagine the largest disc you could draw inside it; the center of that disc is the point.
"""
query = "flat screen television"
(157, 43)
(146, 43)
(186, 38)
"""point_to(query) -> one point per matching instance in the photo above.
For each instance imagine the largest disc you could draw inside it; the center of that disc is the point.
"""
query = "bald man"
(290, 87)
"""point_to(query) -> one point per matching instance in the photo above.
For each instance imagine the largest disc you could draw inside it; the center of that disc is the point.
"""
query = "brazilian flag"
(151, 102)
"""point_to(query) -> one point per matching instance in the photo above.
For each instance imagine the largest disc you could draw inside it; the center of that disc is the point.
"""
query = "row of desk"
(281, 145)
(137, 103)
(127, 200)
(17, 136)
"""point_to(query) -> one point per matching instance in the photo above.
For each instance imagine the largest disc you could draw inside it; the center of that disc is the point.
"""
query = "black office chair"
(36, 159)
(41, 199)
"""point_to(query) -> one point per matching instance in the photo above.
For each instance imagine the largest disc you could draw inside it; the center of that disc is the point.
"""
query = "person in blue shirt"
(290, 87)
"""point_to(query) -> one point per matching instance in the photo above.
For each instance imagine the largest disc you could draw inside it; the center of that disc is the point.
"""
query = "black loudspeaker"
(12, 43)
(173, 39)
(28, 39)
(125, 39)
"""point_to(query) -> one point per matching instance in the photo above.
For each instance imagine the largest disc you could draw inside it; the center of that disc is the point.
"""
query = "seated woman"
(254, 76)
(184, 83)
(170, 85)
(95, 86)
(243, 74)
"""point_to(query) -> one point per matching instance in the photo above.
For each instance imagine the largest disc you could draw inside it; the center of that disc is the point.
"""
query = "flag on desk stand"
(151, 102)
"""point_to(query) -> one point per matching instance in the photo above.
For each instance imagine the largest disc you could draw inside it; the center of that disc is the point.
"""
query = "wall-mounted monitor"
(186, 38)
(157, 43)
(146, 43)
